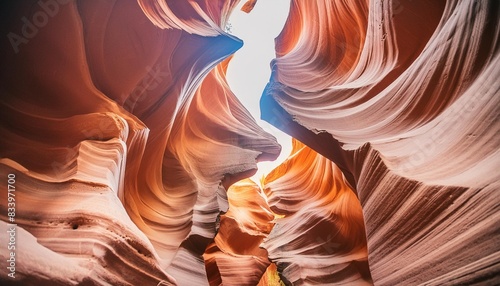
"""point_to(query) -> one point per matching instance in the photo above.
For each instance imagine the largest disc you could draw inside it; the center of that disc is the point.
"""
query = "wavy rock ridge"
(410, 114)
(320, 236)
(123, 135)
(235, 258)
(128, 146)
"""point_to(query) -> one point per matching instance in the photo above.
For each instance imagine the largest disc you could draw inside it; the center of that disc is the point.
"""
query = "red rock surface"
(235, 256)
(404, 97)
(128, 146)
(320, 236)
(123, 135)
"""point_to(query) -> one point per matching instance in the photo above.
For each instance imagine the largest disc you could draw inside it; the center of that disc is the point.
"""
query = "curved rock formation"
(120, 137)
(235, 257)
(410, 114)
(320, 237)
(123, 137)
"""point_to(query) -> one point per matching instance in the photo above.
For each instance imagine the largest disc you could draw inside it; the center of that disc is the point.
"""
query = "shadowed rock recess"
(130, 153)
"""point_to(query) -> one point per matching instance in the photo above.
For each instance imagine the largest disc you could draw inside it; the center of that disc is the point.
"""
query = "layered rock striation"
(319, 236)
(123, 136)
(235, 257)
(404, 97)
(127, 146)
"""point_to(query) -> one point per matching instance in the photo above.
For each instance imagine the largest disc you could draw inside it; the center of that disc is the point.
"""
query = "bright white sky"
(249, 70)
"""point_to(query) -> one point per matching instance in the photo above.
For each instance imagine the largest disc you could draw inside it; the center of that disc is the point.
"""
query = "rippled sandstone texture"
(319, 237)
(235, 256)
(123, 135)
(404, 97)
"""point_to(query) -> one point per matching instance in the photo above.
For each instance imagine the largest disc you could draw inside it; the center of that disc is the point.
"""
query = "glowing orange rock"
(235, 257)
(123, 134)
(409, 112)
(320, 236)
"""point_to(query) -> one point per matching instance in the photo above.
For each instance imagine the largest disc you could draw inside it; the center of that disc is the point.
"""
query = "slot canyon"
(127, 158)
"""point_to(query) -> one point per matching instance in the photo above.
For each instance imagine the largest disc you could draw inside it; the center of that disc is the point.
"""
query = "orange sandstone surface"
(404, 97)
(130, 153)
